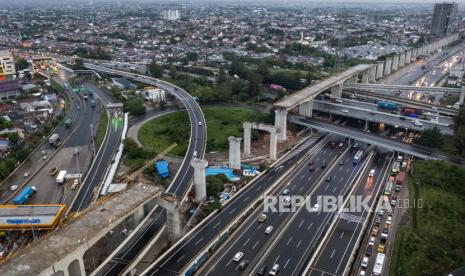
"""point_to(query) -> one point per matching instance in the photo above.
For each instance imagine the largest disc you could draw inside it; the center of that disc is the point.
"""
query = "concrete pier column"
(421, 51)
(414, 55)
(372, 73)
(395, 63)
(280, 122)
(200, 184)
(306, 108)
(273, 145)
(173, 222)
(365, 76)
(428, 49)
(336, 91)
(462, 96)
(247, 138)
(235, 152)
(380, 70)
(402, 60)
(408, 56)
(387, 66)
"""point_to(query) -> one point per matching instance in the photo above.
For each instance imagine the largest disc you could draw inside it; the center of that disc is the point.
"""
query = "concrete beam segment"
(380, 70)
(247, 138)
(200, 184)
(387, 66)
(395, 63)
(280, 122)
(306, 109)
(402, 60)
(408, 56)
(234, 152)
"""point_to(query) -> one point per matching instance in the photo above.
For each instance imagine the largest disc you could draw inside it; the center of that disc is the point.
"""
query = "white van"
(274, 270)
(194, 154)
(365, 262)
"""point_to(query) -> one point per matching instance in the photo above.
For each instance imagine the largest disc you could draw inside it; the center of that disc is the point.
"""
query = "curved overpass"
(182, 180)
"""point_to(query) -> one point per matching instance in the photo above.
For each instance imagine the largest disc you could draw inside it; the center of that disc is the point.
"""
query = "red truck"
(400, 179)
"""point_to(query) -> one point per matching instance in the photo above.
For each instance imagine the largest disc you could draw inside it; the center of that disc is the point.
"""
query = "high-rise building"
(7, 65)
(171, 14)
(444, 17)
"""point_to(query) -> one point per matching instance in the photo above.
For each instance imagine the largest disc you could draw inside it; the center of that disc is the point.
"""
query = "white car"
(268, 229)
(372, 172)
(13, 187)
(389, 220)
(238, 256)
(200, 123)
(315, 207)
(365, 262)
(371, 241)
(345, 110)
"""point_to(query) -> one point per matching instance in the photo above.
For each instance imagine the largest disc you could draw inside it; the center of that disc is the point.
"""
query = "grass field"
(101, 129)
(222, 122)
(433, 241)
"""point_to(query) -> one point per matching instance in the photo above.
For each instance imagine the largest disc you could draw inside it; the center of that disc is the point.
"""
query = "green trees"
(431, 137)
(135, 106)
(459, 131)
(155, 70)
(215, 184)
(21, 64)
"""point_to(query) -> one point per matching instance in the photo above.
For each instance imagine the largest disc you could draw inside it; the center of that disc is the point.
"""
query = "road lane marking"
(298, 244)
(289, 241)
(275, 261)
(216, 225)
(286, 262)
(334, 189)
(310, 226)
(246, 242)
(302, 178)
(180, 258)
(197, 242)
(301, 223)
(255, 245)
(342, 235)
(232, 211)
(301, 188)
(245, 199)
(348, 169)
(334, 250)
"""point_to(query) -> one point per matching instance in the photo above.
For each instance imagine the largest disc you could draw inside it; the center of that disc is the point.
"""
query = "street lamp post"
(76, 153)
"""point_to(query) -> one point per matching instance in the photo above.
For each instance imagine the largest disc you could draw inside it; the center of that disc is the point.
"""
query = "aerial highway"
(381, 141)
(181, 182)
(333, 257)
(179, 256)
(250, 238)
(38, 169)
(297, 241)
(103, 156)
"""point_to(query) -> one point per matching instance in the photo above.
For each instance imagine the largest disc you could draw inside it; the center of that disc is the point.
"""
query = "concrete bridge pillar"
(428, 49)
(200, 184)
(173, 220)
(235, 152)
(395, 62)
(336, 91)
(273, 145)
(306, 108)
(365, 76)
(421, 51)
(402, 60)
(462, 96)
(387, 66)
(414, 54)
(372, 74)
(280, 122)
(408, 56)
(380, 70)
(247, 138)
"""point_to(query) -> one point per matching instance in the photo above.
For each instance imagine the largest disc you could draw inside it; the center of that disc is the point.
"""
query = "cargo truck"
(387, 105)
(25, 193)
(54, 140)
(61, 177)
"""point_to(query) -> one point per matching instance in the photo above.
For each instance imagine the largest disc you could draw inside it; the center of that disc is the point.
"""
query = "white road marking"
(255, 245)
(286, 262)
(301, 223)
(232, 211)
(180, 258)
(216, 225)
(245, 199)
(289, 241)
(334, 189)
(342, 235)
(301, 188)
(246, 242)
(298, 244)
(310, 226)
(334, 250)
(348, 169)
(199, 241)
(302, 177)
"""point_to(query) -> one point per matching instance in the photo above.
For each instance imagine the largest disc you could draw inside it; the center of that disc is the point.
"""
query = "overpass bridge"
(360, 76)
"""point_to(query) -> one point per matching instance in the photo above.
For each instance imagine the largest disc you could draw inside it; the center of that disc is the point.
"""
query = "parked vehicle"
(24, 195)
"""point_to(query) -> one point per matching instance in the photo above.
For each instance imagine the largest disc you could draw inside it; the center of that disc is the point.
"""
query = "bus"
(395, 168)
(378, 268)
(358, 157)
(388, 189)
